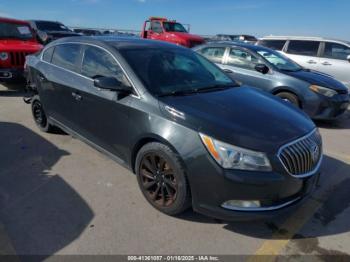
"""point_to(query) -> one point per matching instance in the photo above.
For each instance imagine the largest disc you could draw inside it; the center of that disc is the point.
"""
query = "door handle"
(229, 71)
(326, 63)
(311, 62)
(77, 96)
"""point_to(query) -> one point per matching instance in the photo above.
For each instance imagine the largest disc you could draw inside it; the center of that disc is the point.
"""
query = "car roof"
(11, 20)
(118, 42)
(306, 38)
(237, 44)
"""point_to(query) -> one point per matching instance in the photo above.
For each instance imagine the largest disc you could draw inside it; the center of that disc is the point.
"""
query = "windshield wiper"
(215, 88)
(178, 93)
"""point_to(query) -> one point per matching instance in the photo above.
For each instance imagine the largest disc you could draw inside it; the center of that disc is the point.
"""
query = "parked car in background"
(17, 39)
(326, 55)
(238, 38)
(48, 31)
(319, 95)
(88, 32)
(157, 28)
(191, 135)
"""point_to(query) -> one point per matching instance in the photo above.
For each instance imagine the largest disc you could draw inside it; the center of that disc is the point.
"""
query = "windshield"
(171, 71)
(15, 31)
(174, 27)
(51, 26)
(280, 61)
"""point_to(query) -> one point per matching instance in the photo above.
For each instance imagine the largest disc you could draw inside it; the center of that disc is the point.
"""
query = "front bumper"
(278, 192)
(11, 74)
(331, 108)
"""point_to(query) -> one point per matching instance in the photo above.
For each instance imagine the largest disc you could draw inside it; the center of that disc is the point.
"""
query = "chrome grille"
(303, 156)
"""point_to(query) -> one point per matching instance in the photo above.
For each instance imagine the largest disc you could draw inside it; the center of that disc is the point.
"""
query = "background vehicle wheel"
(39, 115)
(162, 179)
(289, 97)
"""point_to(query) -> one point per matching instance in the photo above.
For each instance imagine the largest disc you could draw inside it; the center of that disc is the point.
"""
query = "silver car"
(328, 56)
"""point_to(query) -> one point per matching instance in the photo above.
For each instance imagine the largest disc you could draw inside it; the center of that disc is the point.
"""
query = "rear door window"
(215, 54)
(67, 56)
(273, 44)
(336, 51)
(306, 48)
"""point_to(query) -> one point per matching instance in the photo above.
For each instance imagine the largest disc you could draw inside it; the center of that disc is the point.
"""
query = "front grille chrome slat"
(301, 158)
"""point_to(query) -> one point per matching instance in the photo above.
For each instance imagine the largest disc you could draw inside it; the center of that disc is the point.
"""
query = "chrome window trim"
(138, 96)
(261, 209)
(311, 173)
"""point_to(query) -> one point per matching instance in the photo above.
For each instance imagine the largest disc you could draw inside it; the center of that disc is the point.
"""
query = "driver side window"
(97, 62)
(157, 27)
(241, 58)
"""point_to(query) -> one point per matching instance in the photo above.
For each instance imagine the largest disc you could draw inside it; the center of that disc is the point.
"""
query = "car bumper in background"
(331, 108)
(10, 74)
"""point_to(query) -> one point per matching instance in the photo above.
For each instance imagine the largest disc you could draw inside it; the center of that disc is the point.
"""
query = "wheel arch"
(287, 89)
(146, 140)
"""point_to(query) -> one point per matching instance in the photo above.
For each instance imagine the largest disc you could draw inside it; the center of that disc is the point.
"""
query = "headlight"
(4, 56)
(233, 157)
(323, 90)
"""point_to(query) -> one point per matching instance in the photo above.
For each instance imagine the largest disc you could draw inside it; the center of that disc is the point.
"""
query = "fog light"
(241, 204)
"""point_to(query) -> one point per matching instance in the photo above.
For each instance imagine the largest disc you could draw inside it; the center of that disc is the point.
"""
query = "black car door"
(60, 81)
(103, 114)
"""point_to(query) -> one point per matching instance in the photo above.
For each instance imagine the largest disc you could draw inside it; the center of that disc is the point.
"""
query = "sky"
(328, 18)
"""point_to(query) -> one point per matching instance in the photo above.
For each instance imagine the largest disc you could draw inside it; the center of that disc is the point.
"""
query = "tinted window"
(278, 60)
(66, 56)
(47, 56)
(164, 71)
(214, 54)
(307, 48)
(51, 26)
(157, 27)
(174, 27)
(241, 58)
(273, 44)
(336, 51)
(15, 31)
(97, 62)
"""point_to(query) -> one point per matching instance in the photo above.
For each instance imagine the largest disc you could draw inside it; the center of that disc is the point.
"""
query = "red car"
(158, 28)
(17, 40)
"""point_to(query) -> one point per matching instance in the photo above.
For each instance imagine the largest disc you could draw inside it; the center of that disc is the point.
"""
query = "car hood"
(241, 116)
(187, 36)
(317, 78)
(19, 45)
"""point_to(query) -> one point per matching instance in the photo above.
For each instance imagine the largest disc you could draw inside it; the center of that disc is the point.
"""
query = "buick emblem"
(315, 152)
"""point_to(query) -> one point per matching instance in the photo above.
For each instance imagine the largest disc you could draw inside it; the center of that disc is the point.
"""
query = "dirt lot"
(59, 196)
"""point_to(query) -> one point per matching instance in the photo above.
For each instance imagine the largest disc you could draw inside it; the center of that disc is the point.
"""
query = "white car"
(325, 55)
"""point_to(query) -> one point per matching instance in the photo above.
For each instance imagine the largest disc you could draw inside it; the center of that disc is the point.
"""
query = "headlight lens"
(323, 90)
(4, 56)
(233, 157)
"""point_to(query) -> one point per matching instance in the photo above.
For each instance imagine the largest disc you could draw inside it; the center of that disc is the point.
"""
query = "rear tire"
(40, 116)
(289, 97)
(162, 180)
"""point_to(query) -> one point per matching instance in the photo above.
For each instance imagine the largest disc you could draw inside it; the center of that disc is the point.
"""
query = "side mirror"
(348, 58)
(262, 68)
(43, 37)
(112, 84)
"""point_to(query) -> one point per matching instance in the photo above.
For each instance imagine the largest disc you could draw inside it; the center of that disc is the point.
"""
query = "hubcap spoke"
(155, 194)
(149, 165)
(148, 185)
(170, 183)
(147, 174)
(163, 195)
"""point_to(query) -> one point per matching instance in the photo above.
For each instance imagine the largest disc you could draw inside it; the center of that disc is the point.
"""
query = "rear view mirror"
(262, 68)
(113, 84)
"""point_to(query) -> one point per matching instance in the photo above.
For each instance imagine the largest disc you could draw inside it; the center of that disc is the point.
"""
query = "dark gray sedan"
(319, 95)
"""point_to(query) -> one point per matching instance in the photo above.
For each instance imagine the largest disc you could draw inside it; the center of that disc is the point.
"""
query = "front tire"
(162, 180)
(289, 97)
(40, 116)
